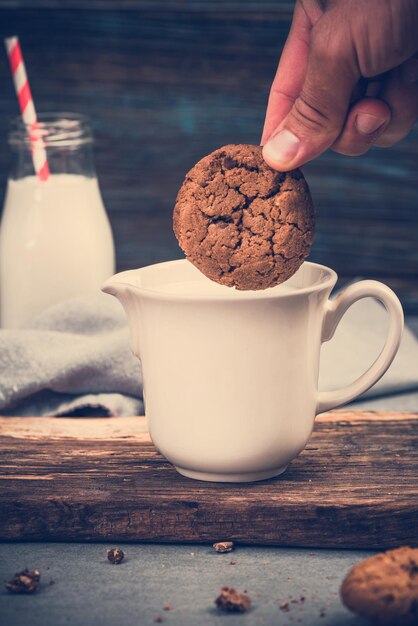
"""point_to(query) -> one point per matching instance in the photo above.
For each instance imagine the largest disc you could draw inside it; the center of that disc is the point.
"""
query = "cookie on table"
(242, 223)
(384, 588)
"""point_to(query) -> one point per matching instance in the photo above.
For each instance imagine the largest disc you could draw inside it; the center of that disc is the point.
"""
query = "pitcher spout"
(118, 284)
(122, 287)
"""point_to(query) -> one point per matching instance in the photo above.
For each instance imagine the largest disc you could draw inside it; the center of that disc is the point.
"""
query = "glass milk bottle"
(55, 238)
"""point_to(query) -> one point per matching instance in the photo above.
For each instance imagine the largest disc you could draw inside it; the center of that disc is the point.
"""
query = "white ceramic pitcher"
(230, 377)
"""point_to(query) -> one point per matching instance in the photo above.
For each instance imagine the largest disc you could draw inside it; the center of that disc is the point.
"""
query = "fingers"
(400, 92)
(385, 119)
(314, 104)
(367, 119)
(290, 73)
(318, 114)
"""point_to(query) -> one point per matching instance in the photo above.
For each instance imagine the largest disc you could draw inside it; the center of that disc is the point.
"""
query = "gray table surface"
(88, 590)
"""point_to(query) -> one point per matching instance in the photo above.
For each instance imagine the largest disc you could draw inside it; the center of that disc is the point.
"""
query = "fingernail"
(409, 71)
(282, 148)
(367, 124)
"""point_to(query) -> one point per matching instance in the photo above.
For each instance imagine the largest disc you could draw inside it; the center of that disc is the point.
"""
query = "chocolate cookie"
(242, 223)
(384, 588)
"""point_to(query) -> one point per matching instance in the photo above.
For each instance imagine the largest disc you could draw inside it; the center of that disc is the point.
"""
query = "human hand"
(347, 79)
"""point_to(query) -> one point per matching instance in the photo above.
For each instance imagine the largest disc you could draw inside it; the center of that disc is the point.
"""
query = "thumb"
(318, 114)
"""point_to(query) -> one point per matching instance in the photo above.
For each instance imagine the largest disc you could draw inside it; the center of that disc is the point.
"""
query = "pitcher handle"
(335, 310)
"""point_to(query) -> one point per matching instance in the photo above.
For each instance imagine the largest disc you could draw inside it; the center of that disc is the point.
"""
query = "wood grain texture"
(166, 83)
(355, 486)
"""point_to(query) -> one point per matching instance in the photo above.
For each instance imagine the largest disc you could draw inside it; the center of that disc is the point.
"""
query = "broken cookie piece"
(242, 223)
(232, 600)
(26, 581)
(115, 556)
(223, 546)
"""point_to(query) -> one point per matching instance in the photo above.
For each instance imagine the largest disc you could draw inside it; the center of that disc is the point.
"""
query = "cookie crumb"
(233, 601)
(167, 607)
(232, 562)
(26, 581)
(115, 556)
(284, 606)
(223, 546)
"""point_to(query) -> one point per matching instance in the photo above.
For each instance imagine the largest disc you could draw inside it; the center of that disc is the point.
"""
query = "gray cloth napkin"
(75, 359)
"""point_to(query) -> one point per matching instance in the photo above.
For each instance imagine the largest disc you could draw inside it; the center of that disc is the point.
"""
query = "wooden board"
(76, 479)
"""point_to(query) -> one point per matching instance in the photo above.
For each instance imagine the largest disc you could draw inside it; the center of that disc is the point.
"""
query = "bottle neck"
(66, 139)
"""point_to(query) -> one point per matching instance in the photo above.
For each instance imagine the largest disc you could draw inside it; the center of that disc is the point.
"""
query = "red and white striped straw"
(27, 107)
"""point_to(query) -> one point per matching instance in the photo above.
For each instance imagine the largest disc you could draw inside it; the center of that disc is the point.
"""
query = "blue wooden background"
(167, 82)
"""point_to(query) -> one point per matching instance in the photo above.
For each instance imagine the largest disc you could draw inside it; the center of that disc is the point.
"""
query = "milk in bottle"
(55, 238)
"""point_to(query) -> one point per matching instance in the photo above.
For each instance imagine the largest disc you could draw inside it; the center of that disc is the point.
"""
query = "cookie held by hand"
(384, 588)
(242, 223)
